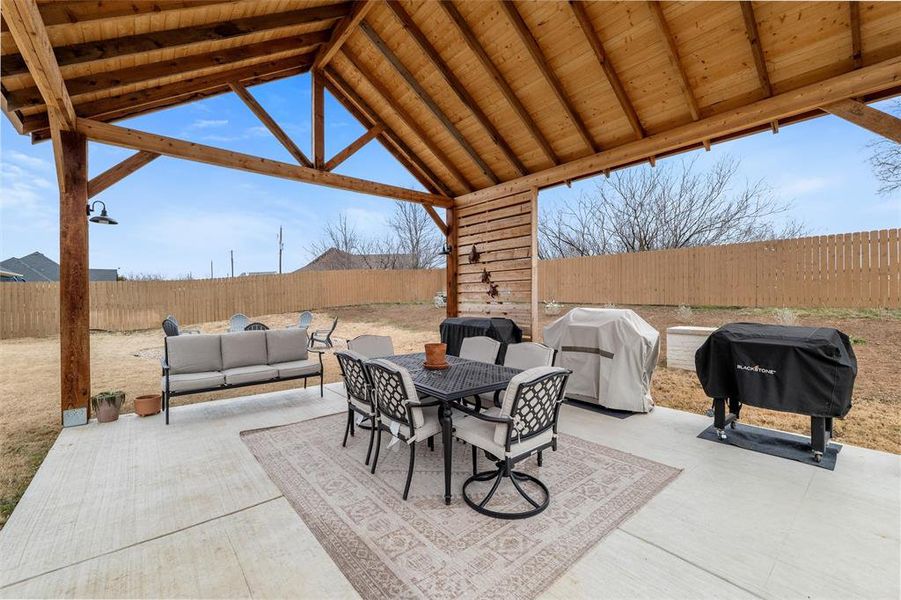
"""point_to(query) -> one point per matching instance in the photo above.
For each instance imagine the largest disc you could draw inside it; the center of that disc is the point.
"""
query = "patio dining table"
(462, 379)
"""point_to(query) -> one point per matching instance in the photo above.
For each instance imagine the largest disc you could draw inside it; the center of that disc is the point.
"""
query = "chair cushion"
(371, 346)
(483, 434)
(430, 425)
(193, 381)
(244, 349)
(481, 348)
(297, 368)
(193, 353)
(528, 355)
(250, 374)
(286, 345)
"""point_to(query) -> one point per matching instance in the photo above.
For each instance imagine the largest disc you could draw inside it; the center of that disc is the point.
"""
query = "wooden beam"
(74, 293)
(413, 124)
(353, 147)
(27, 29)
(119, 171)
(392, 142)
(856, 44)
(453, 297)
(456, 86)
(427, 100)
(747, 13)
(267, 120)
(871, 119)
(170, 38)
(146, 74)
(167, 146)
(180, 92)
(874, 78)
(473, 43)
(437, 219)
(317, 131)
(550, 76)
(73, 12)
(342, 31)
(672, 53)
(533, 252)
(594, 41)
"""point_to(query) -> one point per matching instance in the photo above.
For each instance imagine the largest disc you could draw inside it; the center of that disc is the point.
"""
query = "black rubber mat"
(774, 443)
(616, 414)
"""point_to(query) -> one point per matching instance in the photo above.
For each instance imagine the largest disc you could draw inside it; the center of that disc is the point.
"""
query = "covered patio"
(485, 104)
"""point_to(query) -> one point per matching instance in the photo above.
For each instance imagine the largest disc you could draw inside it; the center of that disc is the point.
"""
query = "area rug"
(422, 548)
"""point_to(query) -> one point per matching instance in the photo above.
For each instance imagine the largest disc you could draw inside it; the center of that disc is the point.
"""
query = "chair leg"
(304, 383)
(350, 420)
(539, 458)
(475, 460)
(410, 469)
(167, 408)
(321, 387)
(371, 439)
(378, 445)
(352, 428)
(432, 443)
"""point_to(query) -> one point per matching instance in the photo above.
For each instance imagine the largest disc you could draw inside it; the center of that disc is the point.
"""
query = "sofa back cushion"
(194, 353)
(243, 349)
(286, 345)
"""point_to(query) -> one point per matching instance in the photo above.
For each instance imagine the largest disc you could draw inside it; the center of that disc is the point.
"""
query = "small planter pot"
(435, 354)
(148, 405)
(106, 406)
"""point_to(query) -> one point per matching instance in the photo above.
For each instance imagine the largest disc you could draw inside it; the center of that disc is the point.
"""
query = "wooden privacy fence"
(853, 270)
(31, 309)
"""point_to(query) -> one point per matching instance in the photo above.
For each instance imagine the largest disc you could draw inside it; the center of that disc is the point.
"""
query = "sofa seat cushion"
(185, 382)
(286, 345)
(297, 368)
(482, 434)
(244, 349)
(193, 353)
(250, 374)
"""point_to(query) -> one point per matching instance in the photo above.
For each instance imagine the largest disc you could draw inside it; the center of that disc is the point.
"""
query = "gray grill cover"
(612, 353)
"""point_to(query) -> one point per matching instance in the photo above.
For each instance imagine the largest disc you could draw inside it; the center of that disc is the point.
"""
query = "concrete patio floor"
(137, 509)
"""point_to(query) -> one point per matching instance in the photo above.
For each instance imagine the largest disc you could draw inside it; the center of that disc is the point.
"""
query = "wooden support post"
(318, 120)
(74, 301)
(533, 250)
(452, 259)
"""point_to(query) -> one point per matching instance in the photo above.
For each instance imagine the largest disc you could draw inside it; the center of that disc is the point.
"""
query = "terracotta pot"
(107, 413)
(435, 354)
(148, 405)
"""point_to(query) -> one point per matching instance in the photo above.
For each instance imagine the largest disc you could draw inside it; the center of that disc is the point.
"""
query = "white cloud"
(25, 193)
(208, 123)
(28, 161)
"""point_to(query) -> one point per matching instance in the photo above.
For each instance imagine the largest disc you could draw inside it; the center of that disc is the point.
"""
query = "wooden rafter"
(763, 76)
(856, 44)
(83, 11)
(267, 120)
(136, 44)
(877, 121)
(550, 76)
(342, 32)
(146, 74)
(672, 54)
(427, 100)
(872, 79)
(456, 86)
(353, 147)
(392, 142)
(442, 226)
(610, 74)
(120, 171)
(24, 22)
(167, 146)
(473, 43)
(165, 95)
(317, 131)
(382, 90)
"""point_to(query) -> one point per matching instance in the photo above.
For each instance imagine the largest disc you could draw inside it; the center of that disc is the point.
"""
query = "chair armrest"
(485, 417)
(426, 404)
(318, 351)
(165, 366)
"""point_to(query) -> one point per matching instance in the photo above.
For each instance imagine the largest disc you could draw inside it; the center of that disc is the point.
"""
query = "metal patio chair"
(358, 390)
(372, 346)
(238, 322)
(256, 326)
(480, 348)
(305, 320)
(324, 336)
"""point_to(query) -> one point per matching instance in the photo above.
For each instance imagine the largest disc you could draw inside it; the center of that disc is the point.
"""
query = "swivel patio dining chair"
(238, 322)
(358, 390)
(256, 326)
(372, 346)
(324, 336)
(524, 425)
(523, 356)
(305, 320)
(480, 348)
(400, 411)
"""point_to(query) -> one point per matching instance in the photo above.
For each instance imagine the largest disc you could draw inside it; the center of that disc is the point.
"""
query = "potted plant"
(147, 405)
(106, 405)
(552, 308)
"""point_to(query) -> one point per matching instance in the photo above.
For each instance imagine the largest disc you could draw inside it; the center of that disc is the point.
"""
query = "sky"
(175, 217)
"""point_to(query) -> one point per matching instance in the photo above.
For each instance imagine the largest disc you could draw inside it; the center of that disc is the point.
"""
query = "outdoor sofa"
(193, 364)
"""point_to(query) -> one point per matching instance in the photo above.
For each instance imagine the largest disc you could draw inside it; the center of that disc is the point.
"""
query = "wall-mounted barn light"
(103, 218)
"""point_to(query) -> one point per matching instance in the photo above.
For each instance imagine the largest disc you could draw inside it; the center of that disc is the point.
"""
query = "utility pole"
(281, 248)
(211, 269)
(232, 255)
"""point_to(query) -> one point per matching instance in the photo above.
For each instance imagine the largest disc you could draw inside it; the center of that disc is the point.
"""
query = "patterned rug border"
(547, 575)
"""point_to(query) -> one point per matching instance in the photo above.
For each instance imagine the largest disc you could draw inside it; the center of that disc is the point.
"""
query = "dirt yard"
(29, 378)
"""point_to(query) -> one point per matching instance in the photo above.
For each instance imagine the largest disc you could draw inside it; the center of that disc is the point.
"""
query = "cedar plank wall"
(503, 231)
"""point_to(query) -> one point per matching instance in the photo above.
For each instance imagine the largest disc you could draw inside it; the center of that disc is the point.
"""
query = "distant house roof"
(339, 260)
(37, 267)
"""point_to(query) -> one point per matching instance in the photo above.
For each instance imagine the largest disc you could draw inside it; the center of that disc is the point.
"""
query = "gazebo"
(485, 103)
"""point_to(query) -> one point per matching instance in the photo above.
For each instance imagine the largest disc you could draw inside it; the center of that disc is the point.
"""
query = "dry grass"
(29, 378)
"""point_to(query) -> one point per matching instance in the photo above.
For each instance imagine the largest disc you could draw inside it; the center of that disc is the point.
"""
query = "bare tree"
(339, 234)
(645, 208)
(885, 159)
(415, 237)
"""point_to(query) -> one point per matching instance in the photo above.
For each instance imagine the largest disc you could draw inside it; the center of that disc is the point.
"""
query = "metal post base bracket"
(75, 416)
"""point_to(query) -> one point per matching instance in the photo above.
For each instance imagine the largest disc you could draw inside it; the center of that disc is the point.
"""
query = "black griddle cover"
(804, 370)
(454, 329)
